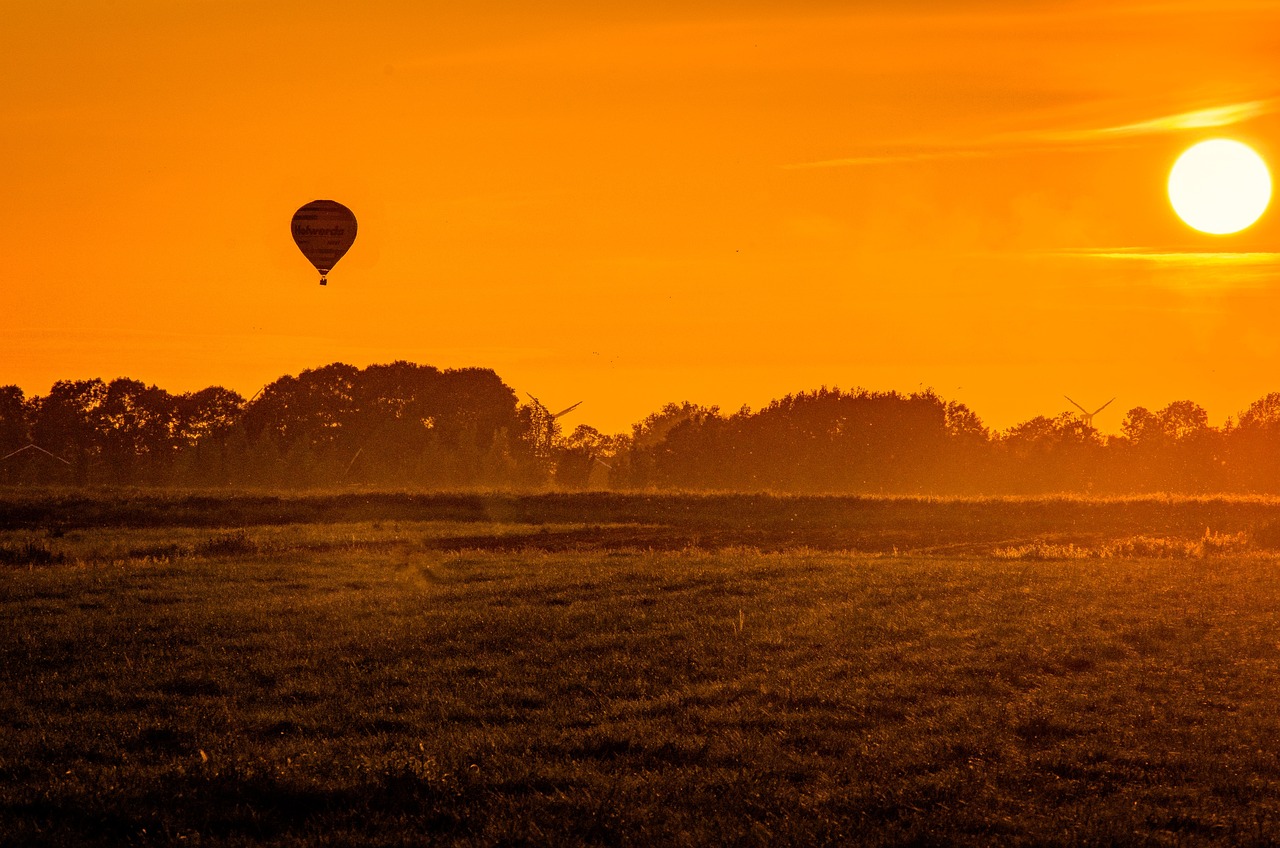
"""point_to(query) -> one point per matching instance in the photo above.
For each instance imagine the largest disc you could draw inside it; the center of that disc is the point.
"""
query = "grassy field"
(498, 670)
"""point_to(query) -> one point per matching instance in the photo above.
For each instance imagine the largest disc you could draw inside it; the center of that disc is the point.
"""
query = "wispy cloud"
(898, 154)
(1189, 270)
(1046, 140)
(1199, 119)
(1175, 257)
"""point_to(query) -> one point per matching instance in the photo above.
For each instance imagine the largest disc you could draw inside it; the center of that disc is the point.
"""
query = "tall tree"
(1253, 446)
(205, 422)
(68, 422)
(139, 430)
(15, 420)
(15, 431)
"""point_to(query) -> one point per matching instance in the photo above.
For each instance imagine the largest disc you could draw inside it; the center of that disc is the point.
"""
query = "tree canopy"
(411, 425)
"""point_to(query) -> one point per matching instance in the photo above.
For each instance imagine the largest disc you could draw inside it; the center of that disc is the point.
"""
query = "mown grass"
(383, 683)
(673, 522)
(164, 544)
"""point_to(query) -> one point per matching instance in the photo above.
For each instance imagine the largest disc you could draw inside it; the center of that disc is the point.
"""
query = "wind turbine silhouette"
(1087, 416)
(547, 425)
(34, 447)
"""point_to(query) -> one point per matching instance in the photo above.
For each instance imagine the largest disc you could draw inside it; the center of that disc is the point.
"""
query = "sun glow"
(1219, 186)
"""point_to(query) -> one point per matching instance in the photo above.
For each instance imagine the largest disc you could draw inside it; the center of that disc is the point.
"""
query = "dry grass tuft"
(1211, 544)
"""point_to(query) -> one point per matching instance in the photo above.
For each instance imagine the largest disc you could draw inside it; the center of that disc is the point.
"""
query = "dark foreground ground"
(398, 670)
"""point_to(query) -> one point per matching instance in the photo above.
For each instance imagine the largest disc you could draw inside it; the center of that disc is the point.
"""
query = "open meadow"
(393, 669)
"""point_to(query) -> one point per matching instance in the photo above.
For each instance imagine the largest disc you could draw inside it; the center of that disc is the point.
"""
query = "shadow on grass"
(234, 806)
(30, 553)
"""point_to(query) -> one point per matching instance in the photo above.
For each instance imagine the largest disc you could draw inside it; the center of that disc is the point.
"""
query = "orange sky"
(630, 207)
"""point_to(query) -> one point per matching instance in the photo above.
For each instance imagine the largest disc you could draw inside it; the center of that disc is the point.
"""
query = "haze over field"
(642, 204)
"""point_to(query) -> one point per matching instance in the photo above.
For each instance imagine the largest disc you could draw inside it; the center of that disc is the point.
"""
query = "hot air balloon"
(324, 231)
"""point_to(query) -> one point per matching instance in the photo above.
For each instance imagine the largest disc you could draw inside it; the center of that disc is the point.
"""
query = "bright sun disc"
(1219, 186)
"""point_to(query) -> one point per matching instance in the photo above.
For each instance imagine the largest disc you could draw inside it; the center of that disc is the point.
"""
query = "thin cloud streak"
(1173, 257)
(1199, 119)
(1045, 141)
(1204, 271)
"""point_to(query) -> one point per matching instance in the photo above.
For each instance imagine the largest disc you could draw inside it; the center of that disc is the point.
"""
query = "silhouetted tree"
(1059, 454)
(139, 430)
(967, 466)
(68, 422)
(1173, 449)
(582, 458)
(408, 424)
(638, 468)
(206, 421)
(1253, 446)
(822, 441)
(1262, 414)
(399, 423)
(15, 431)
(15, 420)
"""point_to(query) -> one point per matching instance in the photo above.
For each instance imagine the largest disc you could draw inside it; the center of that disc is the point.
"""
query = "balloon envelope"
(324, 230)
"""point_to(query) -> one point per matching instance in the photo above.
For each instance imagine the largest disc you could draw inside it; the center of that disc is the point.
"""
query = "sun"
(1219, 186)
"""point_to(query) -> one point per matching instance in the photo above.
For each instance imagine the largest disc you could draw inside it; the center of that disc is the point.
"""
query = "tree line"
(409, 425)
